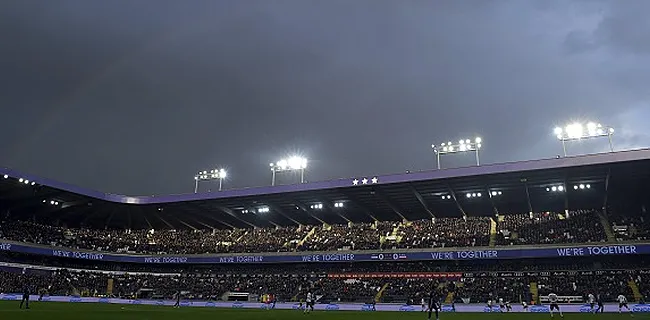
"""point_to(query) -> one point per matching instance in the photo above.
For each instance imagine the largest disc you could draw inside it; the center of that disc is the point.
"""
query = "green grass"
(87, 311)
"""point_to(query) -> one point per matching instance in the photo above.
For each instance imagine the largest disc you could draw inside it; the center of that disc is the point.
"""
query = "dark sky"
(133, 97)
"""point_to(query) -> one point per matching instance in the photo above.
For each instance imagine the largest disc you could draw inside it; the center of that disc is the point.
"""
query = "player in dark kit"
(25, 300)
(434, 304)
(599, 302)
(178, 300)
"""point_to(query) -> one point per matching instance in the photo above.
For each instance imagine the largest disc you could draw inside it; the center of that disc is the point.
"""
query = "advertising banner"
(477, 254)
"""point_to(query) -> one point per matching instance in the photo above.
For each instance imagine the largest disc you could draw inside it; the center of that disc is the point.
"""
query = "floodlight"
(293, 163)
(469, 195)
(338, 204)
(554, 188)
(298, 163)
(222, 174)
(26, 181)
(6, 176)
(208, 175)
(578, 131)
(21, 180)
(463, 145)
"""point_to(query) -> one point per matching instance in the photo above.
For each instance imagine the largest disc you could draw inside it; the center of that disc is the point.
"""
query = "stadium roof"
(515, 187)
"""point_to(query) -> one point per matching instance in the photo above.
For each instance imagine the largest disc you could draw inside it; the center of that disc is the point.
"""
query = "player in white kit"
(309, 306)
(592, 302)
(424, 304)
(622, 303)
(502, 305)
(552, 298)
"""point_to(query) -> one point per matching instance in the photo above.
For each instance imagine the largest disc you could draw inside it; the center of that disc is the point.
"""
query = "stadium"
(482, 236)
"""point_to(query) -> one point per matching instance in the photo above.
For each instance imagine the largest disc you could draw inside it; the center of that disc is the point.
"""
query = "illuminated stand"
(579, 131)
(215, 174)
(291, 164)
(463, 146)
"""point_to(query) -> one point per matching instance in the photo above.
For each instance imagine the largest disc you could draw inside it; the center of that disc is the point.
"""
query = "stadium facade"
(592, 187)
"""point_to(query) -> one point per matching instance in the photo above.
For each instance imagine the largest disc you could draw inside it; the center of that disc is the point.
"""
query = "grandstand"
(535, 226)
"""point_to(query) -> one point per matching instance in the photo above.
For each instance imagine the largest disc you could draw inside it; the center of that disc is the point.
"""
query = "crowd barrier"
(568, 308)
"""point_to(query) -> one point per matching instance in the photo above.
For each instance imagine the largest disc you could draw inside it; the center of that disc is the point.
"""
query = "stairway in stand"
(609, 232)
(309, 234)
(450, 298)
(493, 233)
(635, 290)
(534, 291)
(380, 293)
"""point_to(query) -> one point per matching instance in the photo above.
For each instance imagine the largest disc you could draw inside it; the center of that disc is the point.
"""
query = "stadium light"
(318, 206)
(52, 202)
(559, 188)
(463, 145)
(6, 176)
(263, 209)
(209, 175)
(581, 186)
(338, 204)
(294, 163)
(580, 131)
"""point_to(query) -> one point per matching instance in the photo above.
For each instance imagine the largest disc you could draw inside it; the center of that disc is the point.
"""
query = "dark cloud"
(134, 96)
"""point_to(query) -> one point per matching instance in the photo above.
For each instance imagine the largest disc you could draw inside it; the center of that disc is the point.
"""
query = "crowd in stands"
(631, 227)
(445, 232)
(581, 226)
(470, 288)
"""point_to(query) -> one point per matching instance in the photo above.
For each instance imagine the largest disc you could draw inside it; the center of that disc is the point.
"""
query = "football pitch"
(85, 311)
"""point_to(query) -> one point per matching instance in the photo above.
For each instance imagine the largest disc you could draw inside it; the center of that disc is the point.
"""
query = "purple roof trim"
(532, 165)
